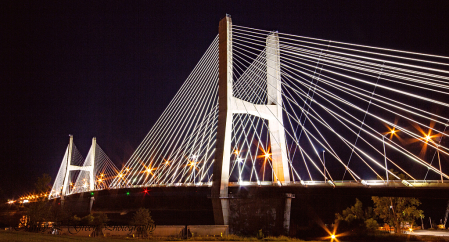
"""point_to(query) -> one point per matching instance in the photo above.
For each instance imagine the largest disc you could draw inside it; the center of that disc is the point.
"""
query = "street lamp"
(385, 155)
(239, 166)
(324, 166)
(428, 138)
(193, 165)
(439, 162)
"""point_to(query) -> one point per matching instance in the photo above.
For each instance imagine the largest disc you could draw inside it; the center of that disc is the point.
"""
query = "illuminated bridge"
(269, 109)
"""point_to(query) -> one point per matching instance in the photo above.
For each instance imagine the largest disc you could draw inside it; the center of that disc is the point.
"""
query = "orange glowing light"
(236, 152)
(264, 153)
(166, 162)
(150, 170)
(428, 138)
(333, 236)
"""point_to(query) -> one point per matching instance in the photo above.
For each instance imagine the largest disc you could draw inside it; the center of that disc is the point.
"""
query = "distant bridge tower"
(229, 105)
(70, 167)
(96, 171)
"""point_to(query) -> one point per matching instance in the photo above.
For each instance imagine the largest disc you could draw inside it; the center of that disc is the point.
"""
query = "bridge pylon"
(70, 167)
(63, 188)
(95, 172)
(229, 105)
(67, 171)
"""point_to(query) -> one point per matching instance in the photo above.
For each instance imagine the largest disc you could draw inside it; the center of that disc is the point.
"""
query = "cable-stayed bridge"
(265, 108)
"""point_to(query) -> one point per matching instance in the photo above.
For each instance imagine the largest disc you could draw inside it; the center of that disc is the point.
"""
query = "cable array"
(104, 172)
(350, 113)
(179, 149)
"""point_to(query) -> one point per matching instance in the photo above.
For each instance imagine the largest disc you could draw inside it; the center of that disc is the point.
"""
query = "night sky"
(108, 69)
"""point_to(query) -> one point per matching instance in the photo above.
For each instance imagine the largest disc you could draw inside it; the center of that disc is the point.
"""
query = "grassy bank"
(20, 236)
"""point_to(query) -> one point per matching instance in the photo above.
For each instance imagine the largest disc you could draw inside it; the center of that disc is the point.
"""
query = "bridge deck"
(348, 183)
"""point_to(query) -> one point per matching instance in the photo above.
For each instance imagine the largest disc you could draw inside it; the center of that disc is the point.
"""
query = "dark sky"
(108, 69)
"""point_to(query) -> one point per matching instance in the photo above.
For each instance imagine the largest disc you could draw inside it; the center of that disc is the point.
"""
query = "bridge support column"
(287, 211)
(228, 105)
(274, 97)
(92, 166)
(67, 172)
(220, 180)
(92, 172)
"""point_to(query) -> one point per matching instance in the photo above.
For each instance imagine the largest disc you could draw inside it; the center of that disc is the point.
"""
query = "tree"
(43, 184)
(356, 218)
(143, 222)
(2, 196)
(371, 224)
(99, 221)
(88, 219)
(396, 210)
(391, 177)
(75, 220)
(60, 215)
(38, 212)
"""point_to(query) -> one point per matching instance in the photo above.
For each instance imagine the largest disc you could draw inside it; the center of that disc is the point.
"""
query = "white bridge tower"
(70, 167)
(229, 105)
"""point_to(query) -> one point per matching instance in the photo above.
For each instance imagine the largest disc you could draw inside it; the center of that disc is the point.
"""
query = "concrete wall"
(76, 231)
(160, 231)
(208, 230)
(118, 231)
(168, 231)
